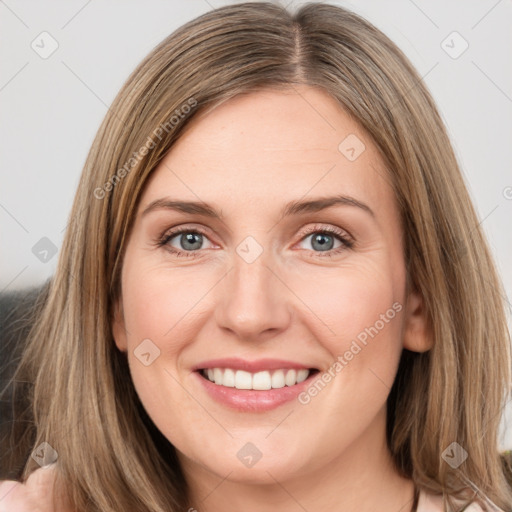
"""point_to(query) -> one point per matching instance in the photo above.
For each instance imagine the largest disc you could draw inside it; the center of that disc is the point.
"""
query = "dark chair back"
(17, 313)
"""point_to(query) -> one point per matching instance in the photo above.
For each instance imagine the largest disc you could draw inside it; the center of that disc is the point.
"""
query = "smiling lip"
(245, 400)
(250, 366)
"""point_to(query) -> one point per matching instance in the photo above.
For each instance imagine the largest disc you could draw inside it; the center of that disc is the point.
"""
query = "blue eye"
(188, 242)
(184, 242)
(322, 241)
(328, 241)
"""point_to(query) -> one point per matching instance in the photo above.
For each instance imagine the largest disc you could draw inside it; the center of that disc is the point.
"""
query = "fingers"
(13, 497)
(35, 495)
(7, 494)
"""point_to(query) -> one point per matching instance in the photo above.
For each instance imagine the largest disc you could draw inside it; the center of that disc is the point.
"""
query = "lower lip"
(249, 400)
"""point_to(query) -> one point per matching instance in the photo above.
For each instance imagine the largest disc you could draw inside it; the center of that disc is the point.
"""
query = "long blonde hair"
(84, 404)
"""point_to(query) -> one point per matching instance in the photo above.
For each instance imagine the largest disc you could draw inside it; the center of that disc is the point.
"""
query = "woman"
(273, 290)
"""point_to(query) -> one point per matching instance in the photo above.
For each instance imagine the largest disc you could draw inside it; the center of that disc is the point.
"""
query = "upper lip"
(250, 366)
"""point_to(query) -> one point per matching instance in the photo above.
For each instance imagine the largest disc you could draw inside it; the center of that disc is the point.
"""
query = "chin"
(260, 474)
(245, 465)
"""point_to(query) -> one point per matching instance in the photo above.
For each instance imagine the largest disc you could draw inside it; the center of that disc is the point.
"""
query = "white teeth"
(291, 378)
(302, 375)
(278, 379)
(263, 380)
(217, 375)
(229, 378)
(243, 380)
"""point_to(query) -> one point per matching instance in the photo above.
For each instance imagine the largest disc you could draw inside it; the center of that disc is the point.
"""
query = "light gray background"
(52, 107)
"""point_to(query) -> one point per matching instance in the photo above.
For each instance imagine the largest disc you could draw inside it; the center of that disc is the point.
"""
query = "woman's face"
(290, 259)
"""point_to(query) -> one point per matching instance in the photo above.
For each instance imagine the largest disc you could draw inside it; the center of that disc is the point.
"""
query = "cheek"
(362, 306)
(163, 308)
(360, 312)
(350, 300)
(159, 309)
(160, 303)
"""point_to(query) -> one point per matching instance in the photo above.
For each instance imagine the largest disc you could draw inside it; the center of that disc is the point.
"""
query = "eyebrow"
(292, 208)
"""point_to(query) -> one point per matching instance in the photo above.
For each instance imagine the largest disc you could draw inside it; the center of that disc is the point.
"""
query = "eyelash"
(347, 242)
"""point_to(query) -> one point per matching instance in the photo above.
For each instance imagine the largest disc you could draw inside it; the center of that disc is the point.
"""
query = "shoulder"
(434, 503)
(430, 502)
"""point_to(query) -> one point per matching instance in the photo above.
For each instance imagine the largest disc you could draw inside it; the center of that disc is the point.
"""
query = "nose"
(254, 304)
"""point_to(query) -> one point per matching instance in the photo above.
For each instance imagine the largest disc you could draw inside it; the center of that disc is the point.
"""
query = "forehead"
(273, 146)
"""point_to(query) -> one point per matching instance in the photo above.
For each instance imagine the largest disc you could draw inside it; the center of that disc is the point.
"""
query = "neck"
(362, 478)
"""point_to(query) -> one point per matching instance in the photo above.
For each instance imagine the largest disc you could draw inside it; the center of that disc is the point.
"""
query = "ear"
(118, 327)
(416, 333)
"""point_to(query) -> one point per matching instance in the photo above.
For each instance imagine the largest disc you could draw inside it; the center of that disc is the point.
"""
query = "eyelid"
(186, 228)
(344, 237)
(162, 242)
(327, 228)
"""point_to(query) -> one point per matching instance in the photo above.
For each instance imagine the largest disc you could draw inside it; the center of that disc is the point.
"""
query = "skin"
(37, 494)
(248, 158)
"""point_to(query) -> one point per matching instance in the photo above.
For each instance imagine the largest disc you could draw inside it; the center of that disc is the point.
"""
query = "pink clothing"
(434, 503)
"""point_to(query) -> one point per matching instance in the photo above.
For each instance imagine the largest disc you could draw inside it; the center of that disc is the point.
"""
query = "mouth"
(256, 386)
(257, 381)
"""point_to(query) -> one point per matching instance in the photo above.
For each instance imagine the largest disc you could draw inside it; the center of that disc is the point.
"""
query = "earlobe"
(417, 336)
(118, 327)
